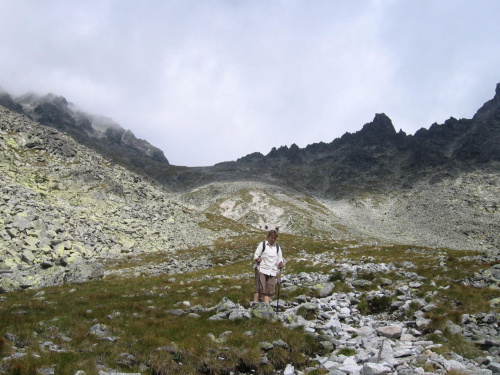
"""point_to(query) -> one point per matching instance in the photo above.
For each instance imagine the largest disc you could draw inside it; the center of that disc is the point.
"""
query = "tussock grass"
(138, 310)
(347, 352)
(374, 305)
(455, 343)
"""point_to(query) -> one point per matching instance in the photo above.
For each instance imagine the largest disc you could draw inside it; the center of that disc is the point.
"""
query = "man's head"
(272, 236)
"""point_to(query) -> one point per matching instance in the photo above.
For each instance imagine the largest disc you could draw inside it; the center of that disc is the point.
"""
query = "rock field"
(64, 207)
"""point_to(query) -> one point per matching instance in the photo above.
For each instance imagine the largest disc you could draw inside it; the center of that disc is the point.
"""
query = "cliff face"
(379, 158)
(101, 134)
(438, 187)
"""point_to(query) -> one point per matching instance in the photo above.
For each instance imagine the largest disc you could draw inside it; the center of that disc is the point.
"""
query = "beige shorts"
(264, 284)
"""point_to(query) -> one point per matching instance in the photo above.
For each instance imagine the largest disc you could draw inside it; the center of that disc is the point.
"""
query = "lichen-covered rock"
(324, 289)
(264, 311)
(225, 305)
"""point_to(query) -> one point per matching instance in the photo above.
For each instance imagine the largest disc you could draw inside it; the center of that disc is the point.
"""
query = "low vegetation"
(138, 311)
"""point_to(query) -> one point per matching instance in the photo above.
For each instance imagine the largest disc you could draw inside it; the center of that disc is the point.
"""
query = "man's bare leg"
(256, 297)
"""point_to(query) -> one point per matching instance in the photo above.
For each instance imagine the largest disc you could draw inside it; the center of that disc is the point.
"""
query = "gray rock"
(266, 346)
(375, 369)
(422, 322)
(83, 272)
(100, 330)
(239, 313)
(362, 283)
(264, 311)
(453, 328)
(494, 367)
(127, 360)
(225, 305)
(385, 353)
(289, 370)
(324, 289)
(392, 332)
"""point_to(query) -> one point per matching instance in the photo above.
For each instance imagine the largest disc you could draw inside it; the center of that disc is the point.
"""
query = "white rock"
(392, 332)
(385, 353)
(289, 370)
(375, 369)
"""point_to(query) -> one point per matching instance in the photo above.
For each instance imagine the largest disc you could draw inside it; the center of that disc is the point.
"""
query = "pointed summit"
(381, 127)
(491, 107)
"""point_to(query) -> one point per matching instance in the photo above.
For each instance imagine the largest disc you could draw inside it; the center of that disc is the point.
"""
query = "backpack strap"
(264, 247)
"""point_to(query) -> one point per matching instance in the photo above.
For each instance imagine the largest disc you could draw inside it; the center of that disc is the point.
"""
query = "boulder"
(264, 311)
(324, 289)
(392, 332)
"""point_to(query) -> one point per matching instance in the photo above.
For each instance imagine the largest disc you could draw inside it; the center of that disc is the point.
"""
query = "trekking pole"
(279, 287)
(257, 275)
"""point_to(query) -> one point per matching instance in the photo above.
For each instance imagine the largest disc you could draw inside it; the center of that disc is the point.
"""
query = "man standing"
(268, 258)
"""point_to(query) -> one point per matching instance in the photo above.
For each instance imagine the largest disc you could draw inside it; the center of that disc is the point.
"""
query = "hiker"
(268, 258)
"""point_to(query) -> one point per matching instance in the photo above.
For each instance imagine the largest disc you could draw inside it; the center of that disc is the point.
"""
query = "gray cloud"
(210, 81)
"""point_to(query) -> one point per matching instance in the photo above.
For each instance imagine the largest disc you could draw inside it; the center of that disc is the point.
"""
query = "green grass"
(125, 306)
(137, 310)
(347, 352)
(374, 305)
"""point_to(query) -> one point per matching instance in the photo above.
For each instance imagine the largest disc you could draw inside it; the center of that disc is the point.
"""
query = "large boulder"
(264, 311)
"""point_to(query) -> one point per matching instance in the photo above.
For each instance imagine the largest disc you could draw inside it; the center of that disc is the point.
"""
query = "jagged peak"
(490, 107)
(380, 126)
(255, 156)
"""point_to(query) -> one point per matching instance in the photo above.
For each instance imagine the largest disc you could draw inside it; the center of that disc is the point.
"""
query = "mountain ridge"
(437, 187)
(97, 132)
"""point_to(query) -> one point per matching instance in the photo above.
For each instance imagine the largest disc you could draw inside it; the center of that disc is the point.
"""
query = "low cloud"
(213, 81)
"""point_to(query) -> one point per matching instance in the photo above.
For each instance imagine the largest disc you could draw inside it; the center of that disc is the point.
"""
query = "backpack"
(264, 247)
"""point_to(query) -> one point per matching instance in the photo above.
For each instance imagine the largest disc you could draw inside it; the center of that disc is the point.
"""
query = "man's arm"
(258, 252)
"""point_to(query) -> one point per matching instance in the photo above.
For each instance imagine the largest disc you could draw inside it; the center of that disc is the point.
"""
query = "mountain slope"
(97, 132)
(438, 187)
(65, 209)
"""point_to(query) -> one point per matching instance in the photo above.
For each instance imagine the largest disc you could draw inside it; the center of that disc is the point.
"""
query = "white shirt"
(271, 258)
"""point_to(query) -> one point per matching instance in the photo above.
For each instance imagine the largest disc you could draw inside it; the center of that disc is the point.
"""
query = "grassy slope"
(137, 310)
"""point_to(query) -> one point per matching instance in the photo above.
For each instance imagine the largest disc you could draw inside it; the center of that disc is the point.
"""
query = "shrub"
(249, 360)
(342, 287)
(414, 307)
(19, 368)
(379, 304)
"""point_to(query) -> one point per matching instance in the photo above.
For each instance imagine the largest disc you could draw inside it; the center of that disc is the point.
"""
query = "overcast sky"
(211, 81)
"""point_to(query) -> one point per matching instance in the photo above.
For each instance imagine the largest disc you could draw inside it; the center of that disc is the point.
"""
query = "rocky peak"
(490, 108)
(9, 103)
(381, 127)
(97, 132)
